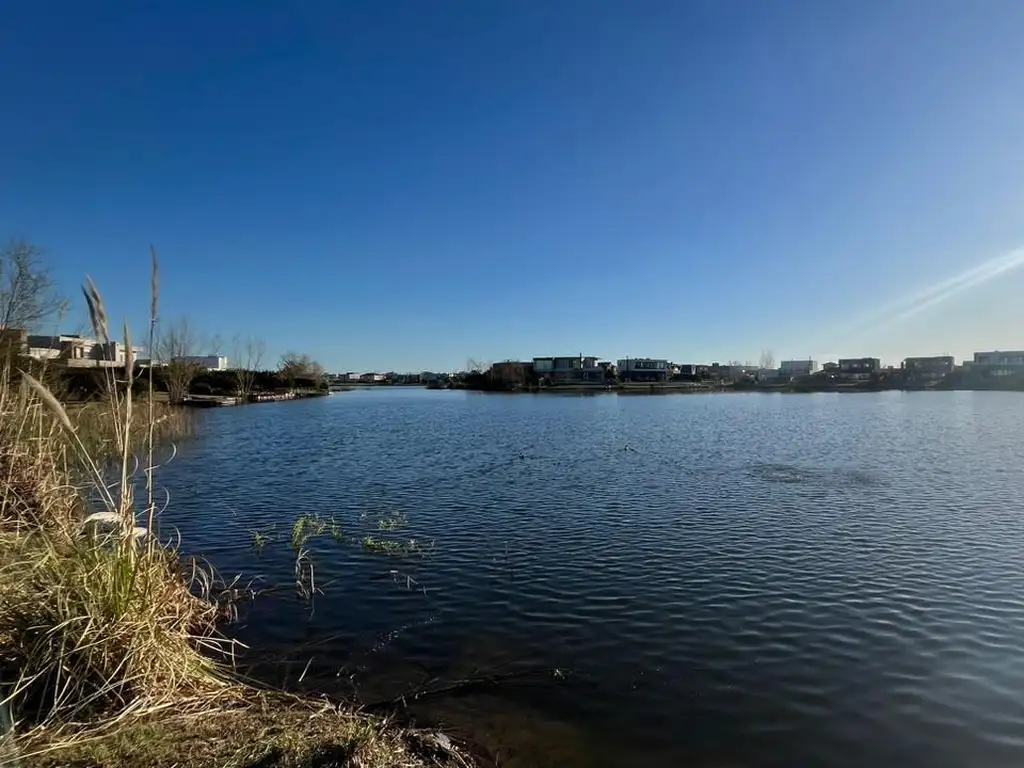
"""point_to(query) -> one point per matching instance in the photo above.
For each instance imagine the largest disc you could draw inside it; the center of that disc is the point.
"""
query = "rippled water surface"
(707, 580)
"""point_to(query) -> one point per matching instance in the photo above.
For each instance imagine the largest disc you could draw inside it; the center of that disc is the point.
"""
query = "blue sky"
(405, 185)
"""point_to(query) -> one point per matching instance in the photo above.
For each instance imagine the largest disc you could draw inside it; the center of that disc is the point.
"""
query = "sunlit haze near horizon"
(407, 185)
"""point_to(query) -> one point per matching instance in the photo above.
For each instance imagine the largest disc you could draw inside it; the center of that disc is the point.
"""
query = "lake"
(706, 580)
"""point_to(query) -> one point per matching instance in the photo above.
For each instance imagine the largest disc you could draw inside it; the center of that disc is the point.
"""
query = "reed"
(97, 617)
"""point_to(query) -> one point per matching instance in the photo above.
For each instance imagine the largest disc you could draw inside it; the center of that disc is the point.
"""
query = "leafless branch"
(28, 292)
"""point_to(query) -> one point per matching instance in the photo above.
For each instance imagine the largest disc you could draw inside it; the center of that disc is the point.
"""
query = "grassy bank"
(110, 650)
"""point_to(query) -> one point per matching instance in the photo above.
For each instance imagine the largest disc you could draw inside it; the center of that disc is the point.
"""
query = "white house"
(78, 351)
(209, 362)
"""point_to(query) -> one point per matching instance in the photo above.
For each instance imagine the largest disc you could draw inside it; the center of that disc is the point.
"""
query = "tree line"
(31, 301)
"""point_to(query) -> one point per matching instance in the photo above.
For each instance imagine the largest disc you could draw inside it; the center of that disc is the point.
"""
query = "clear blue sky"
(405, 185)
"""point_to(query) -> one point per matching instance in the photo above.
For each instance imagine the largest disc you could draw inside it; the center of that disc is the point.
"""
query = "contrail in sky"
(935, 294)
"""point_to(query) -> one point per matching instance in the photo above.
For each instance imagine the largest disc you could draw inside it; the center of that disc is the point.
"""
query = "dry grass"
(93, 422)
(96, 620)
(109, 650)
(268, 731)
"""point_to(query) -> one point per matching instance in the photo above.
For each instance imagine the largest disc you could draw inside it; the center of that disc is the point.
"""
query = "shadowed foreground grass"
(110, 653)
(270, 731)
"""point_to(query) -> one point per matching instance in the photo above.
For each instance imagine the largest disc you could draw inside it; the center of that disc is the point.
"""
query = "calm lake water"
(720, 580)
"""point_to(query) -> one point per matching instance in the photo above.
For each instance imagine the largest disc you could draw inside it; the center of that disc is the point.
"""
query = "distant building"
(859, 366)
(575, 369)
(643, 369)
(728, 372)
(77, 351)
(208, 362)
(999, 363)
(371, 378)
(830, 367)
(929, 367)
(792, 368)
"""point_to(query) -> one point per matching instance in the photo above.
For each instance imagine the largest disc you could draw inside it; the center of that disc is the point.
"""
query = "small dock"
(221, 401)
(210, 401)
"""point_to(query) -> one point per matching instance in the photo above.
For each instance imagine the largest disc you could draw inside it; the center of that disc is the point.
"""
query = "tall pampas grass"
(98, 618)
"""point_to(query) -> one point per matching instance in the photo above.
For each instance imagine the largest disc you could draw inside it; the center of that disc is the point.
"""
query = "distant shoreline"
(697, 389)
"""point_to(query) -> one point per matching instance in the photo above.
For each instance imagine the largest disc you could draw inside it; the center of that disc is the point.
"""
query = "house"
(577, 369)
(371, 378)
(830, 367)
(206, 362)
(859, 366)
(686, 371)
(77, 351)
(643, 369)
(929, 367)
(728, 372)
(998, 363)
(789, 369)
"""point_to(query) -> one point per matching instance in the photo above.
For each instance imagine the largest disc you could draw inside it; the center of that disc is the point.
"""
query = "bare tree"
(28, 292)
(295, 366)
(767, 360)
(176, 345)
(216, 344)
(248, 355)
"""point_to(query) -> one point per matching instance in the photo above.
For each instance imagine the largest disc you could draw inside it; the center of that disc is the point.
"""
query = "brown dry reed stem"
(154, 294)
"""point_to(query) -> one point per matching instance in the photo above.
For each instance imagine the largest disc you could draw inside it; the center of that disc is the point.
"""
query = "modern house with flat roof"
(859, 366)
(643, 369)
(998, 363)
(929, 367)
(791, 368)
(569, 369)
(77, 351)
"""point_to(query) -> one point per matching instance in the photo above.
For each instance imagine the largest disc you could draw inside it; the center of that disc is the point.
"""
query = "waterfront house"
(371, 378)
(76, 351)
(206, 362)
(929, 367)
(686, 371)
(643, 369)
(575, 369)
(789, 369)
(859, 366)
(830, 367)
(998, 363)
(727, 372)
